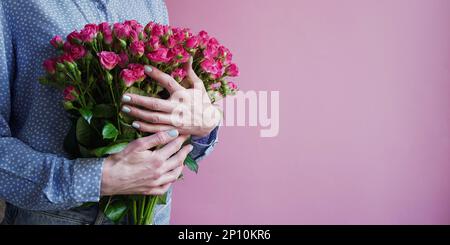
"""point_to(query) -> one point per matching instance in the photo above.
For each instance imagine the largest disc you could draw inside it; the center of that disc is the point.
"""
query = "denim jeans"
(76, 216)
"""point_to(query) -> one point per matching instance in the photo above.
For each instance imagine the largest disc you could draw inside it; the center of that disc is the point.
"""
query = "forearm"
(40, 181)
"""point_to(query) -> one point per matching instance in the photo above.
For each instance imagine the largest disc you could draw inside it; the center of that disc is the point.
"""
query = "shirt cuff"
(204, 145)
(87, 177)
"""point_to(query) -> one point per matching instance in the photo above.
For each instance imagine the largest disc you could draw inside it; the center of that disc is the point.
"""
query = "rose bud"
(232, 70)
(70, 93)
(57, 42)
(50, 66)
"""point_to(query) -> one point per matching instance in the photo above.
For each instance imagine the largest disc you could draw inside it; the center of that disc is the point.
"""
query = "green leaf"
(99, 152)
(103, 111)
(136, 90)
(128, 133)
(86, 114)
(115, 210)
(110, 131)
(162, 199)
(84, 152)
(191, 164)
(86, 135)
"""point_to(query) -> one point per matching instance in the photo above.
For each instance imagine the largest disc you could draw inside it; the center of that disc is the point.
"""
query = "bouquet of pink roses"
(97, 65)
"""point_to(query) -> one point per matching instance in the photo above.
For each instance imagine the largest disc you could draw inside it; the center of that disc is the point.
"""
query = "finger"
(172, 147)
(148, 142)
(164, 79)
(191, 77)
(158, 191)
(178, 158)
(170, 177)
(150, 103)
(150, 127)
(152, 117)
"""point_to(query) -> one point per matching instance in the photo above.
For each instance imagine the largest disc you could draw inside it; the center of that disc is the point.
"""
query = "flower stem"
(149, 210)
(142, 210)
(134, 212)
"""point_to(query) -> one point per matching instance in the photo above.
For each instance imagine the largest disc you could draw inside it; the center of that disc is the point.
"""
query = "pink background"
(364, 118)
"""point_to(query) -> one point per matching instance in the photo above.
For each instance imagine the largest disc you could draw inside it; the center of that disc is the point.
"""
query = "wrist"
(209, 125)
(106, 188)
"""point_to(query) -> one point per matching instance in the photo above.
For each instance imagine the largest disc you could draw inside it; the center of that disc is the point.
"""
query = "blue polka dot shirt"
(35, 172)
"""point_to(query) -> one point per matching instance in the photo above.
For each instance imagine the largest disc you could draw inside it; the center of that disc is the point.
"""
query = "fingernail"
(126, 98)
(173, 133)
(126, 109)
(190, 148)
(135, 125)
(148, 69)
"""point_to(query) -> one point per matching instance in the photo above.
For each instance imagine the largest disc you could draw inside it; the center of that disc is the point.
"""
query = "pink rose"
(104, 26)
(134, 25)
(108, 59)
(159, 30)
(50, 66)
(134, 73)
(88, 33)
(179, 35)
(122, 31)
(203, 38)
(153, 44)
(192, 42)
(131, 23)
(75, 50)
(215, 69)
(57, 42)
(74, 37)
(92, 26)
(171, 42)
(128, 77)
(211, 51)
(179, 54)
(108, 37)
(138, 70)
(232, 85)
(148, 28)
(123, 59)
(162, 55)
(179, 74)
(106, 31)
(232, 70)
(70, 93)
(134, 35)
(137, 48)
(65, 58)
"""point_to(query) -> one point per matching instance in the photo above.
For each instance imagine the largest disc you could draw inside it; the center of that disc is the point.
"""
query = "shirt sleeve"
(203, 146)
(30, 179)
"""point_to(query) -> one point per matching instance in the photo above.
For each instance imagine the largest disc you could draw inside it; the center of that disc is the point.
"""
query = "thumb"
(191, 78)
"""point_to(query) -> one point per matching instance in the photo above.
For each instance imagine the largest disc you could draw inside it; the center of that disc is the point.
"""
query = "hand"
(190, 111)
(137, 170)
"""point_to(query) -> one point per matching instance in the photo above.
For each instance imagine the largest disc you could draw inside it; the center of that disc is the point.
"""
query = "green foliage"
(86, 114)
(111, 149)
(110, 131)
(85, 134)
(114, 209)
(104, 111)
(191, 164)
